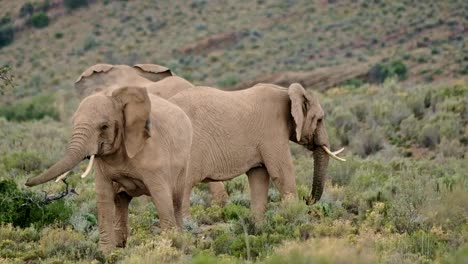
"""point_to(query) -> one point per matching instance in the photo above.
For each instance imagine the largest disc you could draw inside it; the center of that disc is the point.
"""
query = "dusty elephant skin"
(158, 80)
(141, 146)
(248, 131)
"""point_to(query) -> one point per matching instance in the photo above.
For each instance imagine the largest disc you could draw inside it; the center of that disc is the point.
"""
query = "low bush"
(34, 108)
(379, 72)
(67, 243)
(39, 20)
(74, 4)
(7, 35)
(23, 208)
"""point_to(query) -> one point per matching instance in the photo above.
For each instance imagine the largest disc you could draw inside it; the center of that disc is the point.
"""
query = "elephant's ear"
(297, 94)
(136, 110)
(153, 72)
(88, 79)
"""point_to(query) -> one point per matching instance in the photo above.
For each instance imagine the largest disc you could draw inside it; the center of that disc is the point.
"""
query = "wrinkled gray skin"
(141, 145)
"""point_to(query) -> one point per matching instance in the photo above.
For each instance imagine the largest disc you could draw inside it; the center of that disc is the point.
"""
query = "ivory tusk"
(62, 177)
(332, 154)
(88, 169)
(338, 151)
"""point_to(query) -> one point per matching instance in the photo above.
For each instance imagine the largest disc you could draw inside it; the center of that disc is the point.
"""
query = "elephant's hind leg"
(219, 194)
(258, 181)
(121, 201)
(177, 198)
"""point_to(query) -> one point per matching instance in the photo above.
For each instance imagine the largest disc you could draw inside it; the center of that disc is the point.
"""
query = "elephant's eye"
(104, 127)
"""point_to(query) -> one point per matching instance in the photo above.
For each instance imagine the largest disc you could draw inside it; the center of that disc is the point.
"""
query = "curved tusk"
(62, 177)
(338, 151)
(88, 169)
(332, 154)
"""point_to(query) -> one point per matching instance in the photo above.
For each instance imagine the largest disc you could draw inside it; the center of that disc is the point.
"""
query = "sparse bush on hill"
(379, 72)
(7, 34)
(39, 20)
(74, 4)
(27, 9)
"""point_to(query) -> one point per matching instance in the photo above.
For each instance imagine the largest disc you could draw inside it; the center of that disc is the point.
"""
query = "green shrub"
(234, 211)
(25, 162)
(429, 137)
(27, 9)
(69, 244)
(23, 208)
(39, 20)
(37, 107)
(379, 72)
(74, 4)
(368, 142)
(7, 35)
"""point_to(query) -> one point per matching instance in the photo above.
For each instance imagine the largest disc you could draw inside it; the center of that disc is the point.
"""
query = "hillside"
(391, 76)
(225, 43)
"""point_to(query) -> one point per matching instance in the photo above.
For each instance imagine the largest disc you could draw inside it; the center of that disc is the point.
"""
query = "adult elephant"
(158, 80)
(141, 146)
(248, 131)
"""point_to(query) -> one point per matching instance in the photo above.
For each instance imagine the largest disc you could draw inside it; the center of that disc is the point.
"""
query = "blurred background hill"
(392, 77)
(48, 43)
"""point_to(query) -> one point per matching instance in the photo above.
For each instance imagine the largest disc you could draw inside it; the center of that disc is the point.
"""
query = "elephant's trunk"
(320, 163)
(320, 174)
(76, 152)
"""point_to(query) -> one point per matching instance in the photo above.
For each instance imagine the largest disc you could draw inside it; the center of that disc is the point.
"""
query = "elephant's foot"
(106, 249)
(121, 242)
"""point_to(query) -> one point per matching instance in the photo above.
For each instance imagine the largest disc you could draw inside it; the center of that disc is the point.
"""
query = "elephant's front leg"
(121, 201)
(105, 208)
(278, 162)
(161, 194)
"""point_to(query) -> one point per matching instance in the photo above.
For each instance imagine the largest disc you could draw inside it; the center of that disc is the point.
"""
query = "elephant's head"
(309, 130)
(100, 77)
(104, 125)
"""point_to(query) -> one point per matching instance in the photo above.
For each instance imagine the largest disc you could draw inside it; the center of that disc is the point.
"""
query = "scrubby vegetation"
(400, 197)
(401, 202)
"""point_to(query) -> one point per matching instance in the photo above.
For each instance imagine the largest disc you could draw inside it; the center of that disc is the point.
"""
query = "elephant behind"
(248, 131)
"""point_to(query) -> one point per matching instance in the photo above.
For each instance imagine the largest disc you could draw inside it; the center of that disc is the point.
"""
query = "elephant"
(248, 131)
(158, 80)
(140, 145)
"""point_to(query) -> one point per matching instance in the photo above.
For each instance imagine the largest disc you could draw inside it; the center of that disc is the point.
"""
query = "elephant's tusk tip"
(62, 177)
(333, 154)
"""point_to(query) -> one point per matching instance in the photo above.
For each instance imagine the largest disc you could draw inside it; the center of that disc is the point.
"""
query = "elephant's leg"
(161, 194)
(105, 208)
(258, 182)
(219, 194)
(177, 198)
(278, 162)
(186, 199)
(121, 201)
(179, 217)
